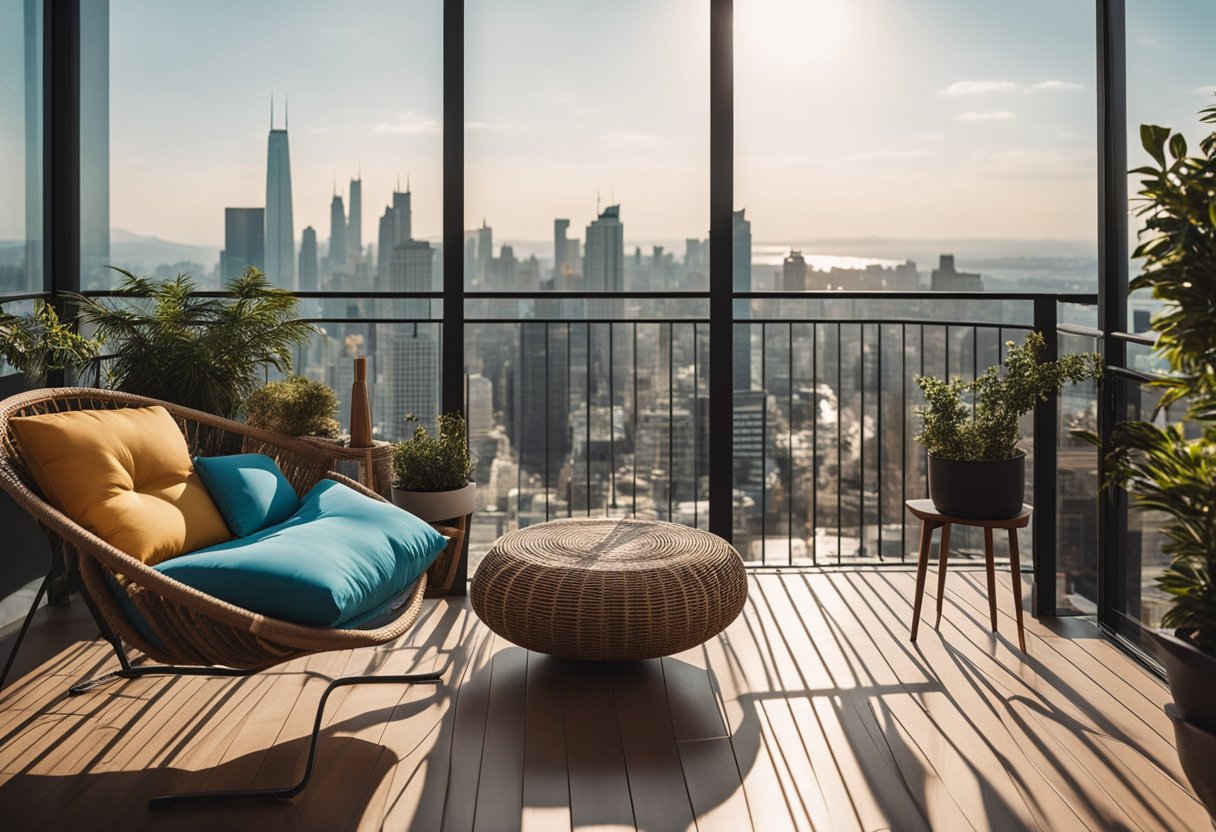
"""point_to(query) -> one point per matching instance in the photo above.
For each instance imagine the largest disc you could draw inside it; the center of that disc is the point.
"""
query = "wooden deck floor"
(811, 712)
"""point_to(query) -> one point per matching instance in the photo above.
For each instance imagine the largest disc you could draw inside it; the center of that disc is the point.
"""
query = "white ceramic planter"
(433, 506)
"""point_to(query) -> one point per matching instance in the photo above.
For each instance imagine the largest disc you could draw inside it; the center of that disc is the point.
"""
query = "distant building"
(244, 241)
(948, 279)
(337, 234)
(793, 272)
(411, 271)
(560, 241)
(354, 225)
(485, 253)
(396, 227)
(741, 271)
(409, 356)
(308, 260)
(280, 243)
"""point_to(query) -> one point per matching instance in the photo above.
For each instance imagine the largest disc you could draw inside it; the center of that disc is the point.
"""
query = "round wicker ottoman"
(609, 590)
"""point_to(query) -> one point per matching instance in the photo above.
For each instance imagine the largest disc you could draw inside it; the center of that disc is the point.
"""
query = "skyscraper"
(244, 241)
(793, 272)
(308, 260)
(354, 228)
(604, 262)
(280, 228)
(741, 269)
(411, 271)
(337, 235)
(485, 253)
(396, 227)
(560, 241)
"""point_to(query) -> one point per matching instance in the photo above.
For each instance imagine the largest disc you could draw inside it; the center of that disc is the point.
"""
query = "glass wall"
(1171, 75)
(587, 171)
(21, 268)
(302, 138)
(892, 146)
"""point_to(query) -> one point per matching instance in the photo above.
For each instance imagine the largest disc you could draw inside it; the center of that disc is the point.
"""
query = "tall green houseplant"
(1168, 468)
(167, 342)
(38, 343)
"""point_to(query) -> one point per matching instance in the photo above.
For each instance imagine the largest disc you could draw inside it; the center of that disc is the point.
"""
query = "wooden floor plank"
(811, 711)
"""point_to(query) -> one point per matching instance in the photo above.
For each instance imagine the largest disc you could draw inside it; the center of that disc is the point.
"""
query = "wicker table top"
(609, 589)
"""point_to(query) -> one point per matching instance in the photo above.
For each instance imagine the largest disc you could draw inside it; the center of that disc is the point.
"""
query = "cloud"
(1055, 84)
(960, 88)
(997, 115)
(1209, 89)
(500, 126)
(888, 155)
(411, 123)
(1038, 164)
(624, 139)
(978, 87)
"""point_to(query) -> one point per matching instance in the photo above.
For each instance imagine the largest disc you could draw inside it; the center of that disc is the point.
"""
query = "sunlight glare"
(791, 34)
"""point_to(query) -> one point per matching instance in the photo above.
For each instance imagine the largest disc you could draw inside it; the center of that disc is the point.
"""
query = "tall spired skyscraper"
(337, 235)
(354, 236)
(280, 229)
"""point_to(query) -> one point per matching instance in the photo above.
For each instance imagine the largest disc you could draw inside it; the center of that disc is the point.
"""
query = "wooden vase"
(360, 409)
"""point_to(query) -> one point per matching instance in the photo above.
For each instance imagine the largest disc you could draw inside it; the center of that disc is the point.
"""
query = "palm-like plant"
(39, 342)
(1163, 468)
(166, 342)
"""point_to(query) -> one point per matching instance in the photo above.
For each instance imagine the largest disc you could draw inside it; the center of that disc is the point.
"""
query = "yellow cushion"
(126, 476)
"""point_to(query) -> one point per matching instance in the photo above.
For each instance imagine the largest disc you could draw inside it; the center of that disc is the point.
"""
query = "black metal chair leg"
(288, 792)
(127, 671)
(25, 626)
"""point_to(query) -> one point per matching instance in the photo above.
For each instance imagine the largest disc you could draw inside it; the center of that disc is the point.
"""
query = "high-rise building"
(793, 272)
(337, 235)
(741, 271)
(280, 228)
(604, 262)
(410, 381)
(485, 253)
(244, 241)
(946, 278)
(411, 271)
(94, 168)
(396, 227)
(354, 227)
(308, 260)
(560, 241)
(542, 396)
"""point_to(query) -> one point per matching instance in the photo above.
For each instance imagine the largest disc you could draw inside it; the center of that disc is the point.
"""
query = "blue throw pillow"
(341, 556)
(249, 490)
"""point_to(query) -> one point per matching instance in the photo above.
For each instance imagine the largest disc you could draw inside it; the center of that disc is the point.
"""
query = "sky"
(854, 118)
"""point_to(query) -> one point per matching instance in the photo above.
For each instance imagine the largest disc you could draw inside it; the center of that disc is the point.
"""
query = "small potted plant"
(433, 474)
(295, 406)
(976, 469)
(1172, 468)
(37, 343)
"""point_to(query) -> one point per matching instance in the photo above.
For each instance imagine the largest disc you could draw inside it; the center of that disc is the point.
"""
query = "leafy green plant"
(37, 343)
(434, 463)
(167, 342)
(295, 406)
(949, 428)
(1163, 468)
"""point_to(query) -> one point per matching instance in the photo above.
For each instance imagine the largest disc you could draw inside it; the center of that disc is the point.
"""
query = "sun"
(791, 34)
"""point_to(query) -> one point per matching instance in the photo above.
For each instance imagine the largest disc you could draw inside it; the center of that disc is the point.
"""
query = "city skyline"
(972, 85)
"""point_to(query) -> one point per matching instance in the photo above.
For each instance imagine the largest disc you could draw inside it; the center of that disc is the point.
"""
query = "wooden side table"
(931, 519)
(375, 464)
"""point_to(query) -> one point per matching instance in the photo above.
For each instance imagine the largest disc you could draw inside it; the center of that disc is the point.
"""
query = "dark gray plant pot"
(1196, 751)
(1192, 675)
(978, 490)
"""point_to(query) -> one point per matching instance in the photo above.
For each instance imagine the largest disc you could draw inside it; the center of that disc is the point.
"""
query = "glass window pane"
(20, 146)
(1171, 75)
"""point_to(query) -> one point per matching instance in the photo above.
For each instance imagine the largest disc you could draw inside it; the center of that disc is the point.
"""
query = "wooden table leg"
(943, 550)
(1017, 585)
(990, 562)
(922, 565)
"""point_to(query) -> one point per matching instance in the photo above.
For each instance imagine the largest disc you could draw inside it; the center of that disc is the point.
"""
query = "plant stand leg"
(990, 563)
(25, 625)
(1016, 568)
(288, 792)
(922, 565)
(942, 552)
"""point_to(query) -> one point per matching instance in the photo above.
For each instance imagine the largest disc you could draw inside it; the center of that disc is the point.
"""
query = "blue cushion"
(340, 557)
(249, 490)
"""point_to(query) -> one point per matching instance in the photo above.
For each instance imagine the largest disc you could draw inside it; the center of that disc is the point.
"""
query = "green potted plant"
(433, 474)
(976, 469)
(167, 342)
(37, 343)
(1171, 469)
(295, 406)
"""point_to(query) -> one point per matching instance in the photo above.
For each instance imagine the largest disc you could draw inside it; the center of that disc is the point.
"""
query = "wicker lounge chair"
(197, 633)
